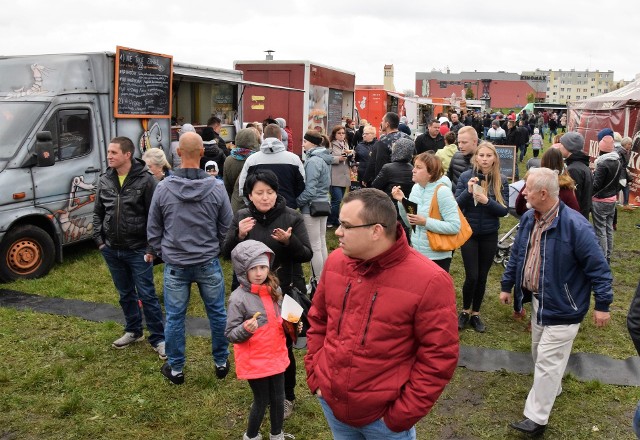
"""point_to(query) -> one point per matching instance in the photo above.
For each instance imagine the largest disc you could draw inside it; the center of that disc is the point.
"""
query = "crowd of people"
(380, 350)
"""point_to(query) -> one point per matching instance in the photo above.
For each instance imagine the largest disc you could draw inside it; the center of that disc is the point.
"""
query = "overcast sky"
(357, 36)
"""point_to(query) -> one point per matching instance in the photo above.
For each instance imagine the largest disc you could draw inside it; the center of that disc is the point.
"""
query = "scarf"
(241, 153)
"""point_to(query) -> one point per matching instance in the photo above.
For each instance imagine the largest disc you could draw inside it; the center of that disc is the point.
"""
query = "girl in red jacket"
(254, 326)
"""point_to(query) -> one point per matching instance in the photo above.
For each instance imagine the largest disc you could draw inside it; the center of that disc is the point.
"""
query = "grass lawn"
(60, 379)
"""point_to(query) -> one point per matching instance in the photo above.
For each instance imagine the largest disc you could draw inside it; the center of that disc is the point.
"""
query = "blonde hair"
(370, 128)
(493, 178)
(156, 157)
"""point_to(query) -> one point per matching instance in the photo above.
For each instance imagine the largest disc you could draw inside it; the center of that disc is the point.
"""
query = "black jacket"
(578, 168)
(381, 154)
(633, 319)
(425, 142)
(458, 165)
(512, 135)
(288, 260)
(624, 159)
(522, 135)
(362, 153)
(394, 174)
(213, 152)
(120, 213)
(606, 175)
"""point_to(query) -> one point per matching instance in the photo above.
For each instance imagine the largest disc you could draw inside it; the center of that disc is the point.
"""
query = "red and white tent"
(620, 111)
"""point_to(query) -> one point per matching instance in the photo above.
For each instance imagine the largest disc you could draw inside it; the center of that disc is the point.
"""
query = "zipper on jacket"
(344, 304)
(117, 217)
(366, 328)
(570, 298)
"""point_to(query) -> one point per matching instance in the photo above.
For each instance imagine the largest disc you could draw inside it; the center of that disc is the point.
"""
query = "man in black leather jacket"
(120, 215)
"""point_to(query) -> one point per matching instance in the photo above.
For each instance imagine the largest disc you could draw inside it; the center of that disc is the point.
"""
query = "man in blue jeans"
(189, 217)
(120, 213)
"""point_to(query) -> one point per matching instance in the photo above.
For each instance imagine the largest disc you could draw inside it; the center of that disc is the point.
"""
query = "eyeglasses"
(347, 227)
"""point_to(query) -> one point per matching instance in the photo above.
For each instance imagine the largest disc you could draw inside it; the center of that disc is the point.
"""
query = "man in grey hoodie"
(189, 217)
(273, 155)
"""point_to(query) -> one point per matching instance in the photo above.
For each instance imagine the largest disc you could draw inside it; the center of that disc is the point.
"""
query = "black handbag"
(319, 208)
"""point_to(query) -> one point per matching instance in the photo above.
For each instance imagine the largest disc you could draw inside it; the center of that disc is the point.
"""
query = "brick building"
(497, 89)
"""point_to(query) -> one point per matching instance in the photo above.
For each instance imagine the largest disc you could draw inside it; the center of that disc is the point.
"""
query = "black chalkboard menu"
(507, 155)
(335, 108)
(143, 84)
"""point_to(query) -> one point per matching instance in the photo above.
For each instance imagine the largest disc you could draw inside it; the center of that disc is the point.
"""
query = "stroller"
(506, 241)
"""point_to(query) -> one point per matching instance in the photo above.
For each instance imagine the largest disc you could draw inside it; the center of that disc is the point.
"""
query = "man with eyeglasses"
(381, 348)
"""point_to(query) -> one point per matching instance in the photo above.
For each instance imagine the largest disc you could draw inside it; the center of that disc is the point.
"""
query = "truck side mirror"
(45, 156)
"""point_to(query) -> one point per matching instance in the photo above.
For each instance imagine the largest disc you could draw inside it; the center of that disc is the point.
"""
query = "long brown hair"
(493, 178)
(273, 283)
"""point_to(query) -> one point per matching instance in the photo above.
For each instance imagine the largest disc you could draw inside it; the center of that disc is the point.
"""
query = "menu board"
(143, 84)
(507, 155)
(335, 108)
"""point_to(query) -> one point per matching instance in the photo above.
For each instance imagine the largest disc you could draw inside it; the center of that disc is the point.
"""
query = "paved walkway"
(584, 366)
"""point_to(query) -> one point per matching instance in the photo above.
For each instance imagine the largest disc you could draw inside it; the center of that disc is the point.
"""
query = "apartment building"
(574, 85)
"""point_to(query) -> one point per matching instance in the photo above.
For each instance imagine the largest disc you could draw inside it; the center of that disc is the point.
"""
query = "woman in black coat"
(268, 219)
(362, 152)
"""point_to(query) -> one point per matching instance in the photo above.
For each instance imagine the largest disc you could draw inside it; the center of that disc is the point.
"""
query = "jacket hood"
(189, 184)
(402, 150)
(272, 145)
(607, 157)
(578, 156)
(244, 254)
(281, 122)
(322, 153)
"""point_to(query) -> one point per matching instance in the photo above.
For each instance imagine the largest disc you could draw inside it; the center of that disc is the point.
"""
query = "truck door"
(67, 189)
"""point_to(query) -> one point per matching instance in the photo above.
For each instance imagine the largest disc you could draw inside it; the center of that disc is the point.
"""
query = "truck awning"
(216, 76)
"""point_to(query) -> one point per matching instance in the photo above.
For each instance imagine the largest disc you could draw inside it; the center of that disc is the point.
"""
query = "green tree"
(531, 97)
(468, 94)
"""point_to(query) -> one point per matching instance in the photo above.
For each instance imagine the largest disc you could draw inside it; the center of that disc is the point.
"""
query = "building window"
(555, 93)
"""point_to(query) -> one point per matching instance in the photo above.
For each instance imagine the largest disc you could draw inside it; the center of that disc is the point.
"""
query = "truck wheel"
(26, 252)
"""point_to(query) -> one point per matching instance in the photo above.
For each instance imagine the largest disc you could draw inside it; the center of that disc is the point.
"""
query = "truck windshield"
(16, 121)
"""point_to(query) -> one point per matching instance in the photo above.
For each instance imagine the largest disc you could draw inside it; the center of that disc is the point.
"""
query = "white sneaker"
(257, 437)
(281, 436)
(288, 408)
(160, 350)
(127, 339)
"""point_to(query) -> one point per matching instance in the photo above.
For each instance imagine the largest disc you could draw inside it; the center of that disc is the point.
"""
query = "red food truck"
(327, 99)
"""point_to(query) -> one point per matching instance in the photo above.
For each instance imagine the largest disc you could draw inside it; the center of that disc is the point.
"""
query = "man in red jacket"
(383, 342)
